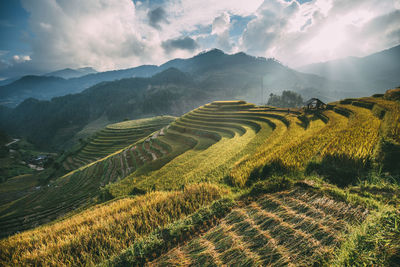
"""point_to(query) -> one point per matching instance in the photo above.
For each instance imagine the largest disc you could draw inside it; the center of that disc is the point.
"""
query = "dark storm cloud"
(185, 43)
(156, 17)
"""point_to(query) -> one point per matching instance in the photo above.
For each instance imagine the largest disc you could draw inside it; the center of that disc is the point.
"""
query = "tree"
(288, 99)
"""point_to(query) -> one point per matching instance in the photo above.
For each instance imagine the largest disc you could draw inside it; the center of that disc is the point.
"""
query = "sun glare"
(327, 42)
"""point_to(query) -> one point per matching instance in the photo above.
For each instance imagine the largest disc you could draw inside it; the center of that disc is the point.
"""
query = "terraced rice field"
(208, 144)
(81, 187)
(224, 142)
(345, 132)
(223, 133)
(299, 227)
(115, 137)
(103, 230)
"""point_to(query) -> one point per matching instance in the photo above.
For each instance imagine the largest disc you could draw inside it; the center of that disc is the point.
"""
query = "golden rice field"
(392, 118)
(355, 138)
(172, 174)
(289, 228)
(101, 231)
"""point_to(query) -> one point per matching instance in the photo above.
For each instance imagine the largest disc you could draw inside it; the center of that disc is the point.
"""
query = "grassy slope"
(283, 227)
(103, 230)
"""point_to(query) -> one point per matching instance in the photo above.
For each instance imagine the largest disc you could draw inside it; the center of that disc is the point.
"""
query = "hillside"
(373, 72)
(290, 187)
(182, 85)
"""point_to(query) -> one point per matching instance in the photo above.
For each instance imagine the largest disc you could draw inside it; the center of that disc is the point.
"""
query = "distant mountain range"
(373, 73)
(356, 76)
(71, 73)
(45, 87)
(173, 88)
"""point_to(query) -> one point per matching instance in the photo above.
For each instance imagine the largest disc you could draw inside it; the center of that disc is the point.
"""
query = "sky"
(39, 36)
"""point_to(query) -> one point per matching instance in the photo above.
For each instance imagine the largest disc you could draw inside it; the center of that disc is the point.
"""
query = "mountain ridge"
(376, 71)
(68, 73)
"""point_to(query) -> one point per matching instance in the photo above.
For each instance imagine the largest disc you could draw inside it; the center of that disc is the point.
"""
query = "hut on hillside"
(314, 103)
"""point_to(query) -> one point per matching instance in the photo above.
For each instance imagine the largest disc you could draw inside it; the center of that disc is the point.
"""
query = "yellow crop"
(101, 231)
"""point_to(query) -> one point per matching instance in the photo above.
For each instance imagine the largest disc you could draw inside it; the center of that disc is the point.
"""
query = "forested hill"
(230, 68)
(52, 123)
(210, 76)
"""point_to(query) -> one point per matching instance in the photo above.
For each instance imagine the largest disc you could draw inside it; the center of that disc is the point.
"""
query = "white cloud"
(221, 23)
(111, 34)
(321, 30)
(21, 58)
(220, 27)
(103, 34)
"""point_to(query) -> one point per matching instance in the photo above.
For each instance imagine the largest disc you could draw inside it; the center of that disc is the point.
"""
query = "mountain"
(209, 76)
(375, 73)
(172, 92)
(33, 86)
(71, 73)
(47, 87)
(8, 81)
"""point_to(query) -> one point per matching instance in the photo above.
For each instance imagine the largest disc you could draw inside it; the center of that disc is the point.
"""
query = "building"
(315, 103)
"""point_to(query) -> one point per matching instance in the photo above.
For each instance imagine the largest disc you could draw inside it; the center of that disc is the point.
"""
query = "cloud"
(157, 16)
(185, 43)
(21, 58)
(221, 23)
(114, 34)
(220, 27)
(321, 30)
(105, 34)
(270, 25)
